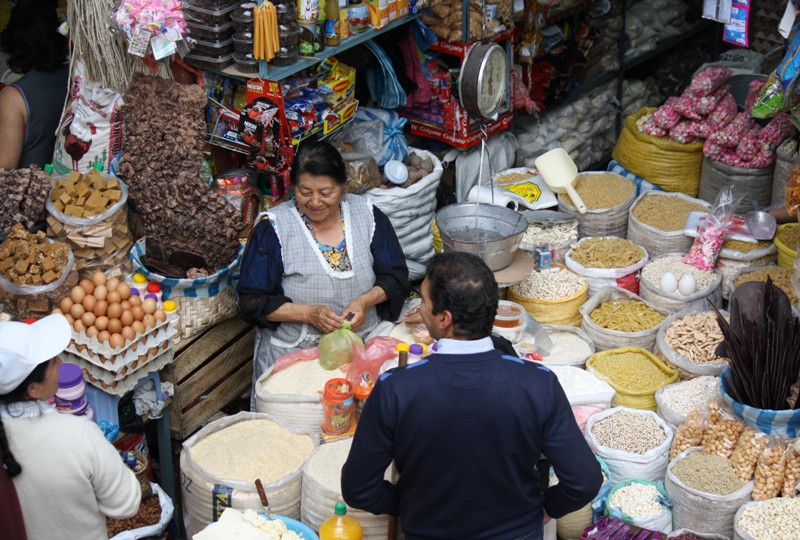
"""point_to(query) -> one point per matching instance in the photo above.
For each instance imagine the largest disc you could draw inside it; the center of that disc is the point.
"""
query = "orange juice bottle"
(340, 526)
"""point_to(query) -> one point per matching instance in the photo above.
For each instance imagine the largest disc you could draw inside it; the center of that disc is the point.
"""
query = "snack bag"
(713, 231)
(336, 348)
(770, 470)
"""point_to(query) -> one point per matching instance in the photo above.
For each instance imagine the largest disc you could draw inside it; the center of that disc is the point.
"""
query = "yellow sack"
(669, 165)
(786, 254)
(564, 310)
(625, 397)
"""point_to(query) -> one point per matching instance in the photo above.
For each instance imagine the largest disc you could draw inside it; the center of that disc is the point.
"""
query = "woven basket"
(197, 314)
(565, 311)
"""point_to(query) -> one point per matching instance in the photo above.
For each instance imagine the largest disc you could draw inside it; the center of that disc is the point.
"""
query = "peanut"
(770, 471)
(745, 456)
(689, 434)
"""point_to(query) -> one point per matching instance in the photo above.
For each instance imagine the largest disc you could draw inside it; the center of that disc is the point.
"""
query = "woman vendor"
(317, 259)
(68, 477)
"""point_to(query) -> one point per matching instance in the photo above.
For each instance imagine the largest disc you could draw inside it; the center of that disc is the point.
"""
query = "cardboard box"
(378, 13)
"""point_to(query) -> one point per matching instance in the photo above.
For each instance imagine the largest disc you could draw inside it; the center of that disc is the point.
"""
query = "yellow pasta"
(606, 253)
(632, 371)
(626, 316)
(745, 247)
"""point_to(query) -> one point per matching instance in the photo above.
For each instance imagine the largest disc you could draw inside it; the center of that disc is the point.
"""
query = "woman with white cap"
(67, 475)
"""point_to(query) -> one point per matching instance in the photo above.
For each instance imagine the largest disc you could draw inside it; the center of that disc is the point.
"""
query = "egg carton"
(105, 349)
(96, 374)
(162, 339)
(131, 379)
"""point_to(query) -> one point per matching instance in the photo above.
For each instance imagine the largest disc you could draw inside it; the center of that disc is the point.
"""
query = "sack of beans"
(221, 462)
(675, 401)
(657, 220)
(774, 518)
(687, 341)
(730, 268)
(608, 197)
(705, 492)
(586, 393)
(689, 534)
(571, 346)
(641, 503)
(607, 261)
(756, 184)
(616, 317)
(632, 443)
(669, 283)
(552, 295)
(152, 519)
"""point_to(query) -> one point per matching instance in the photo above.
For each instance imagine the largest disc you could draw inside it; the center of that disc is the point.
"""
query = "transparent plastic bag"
(770, 470)
(791, 481)
(337, 348)
(688, 434)
(745, 457)
(368, 361)
(722, 431)
(714, 230)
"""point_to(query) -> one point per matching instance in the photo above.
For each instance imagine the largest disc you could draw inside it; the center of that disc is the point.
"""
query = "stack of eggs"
(71, 395)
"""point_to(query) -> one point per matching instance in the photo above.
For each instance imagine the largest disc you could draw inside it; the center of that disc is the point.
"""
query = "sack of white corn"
(571, 346)
(561, 235)
(607, 262)
(666, 278)
(657, 220)
(675, 401)
(635, 373)
(551, 296)
(771, 519)
(705, 492)
(221, 462)
(292, 394)
(701, 536)
(615, 317)
(642, 503)
(586, 393)
(608, 197)
(687, 341)
(322, 476)
(632, 443)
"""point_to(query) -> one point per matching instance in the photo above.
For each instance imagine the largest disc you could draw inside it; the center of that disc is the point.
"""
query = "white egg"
(668, 282)
(687, 285)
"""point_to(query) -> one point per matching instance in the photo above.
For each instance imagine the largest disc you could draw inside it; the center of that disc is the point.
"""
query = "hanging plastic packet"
(770, 101)
(336, 348)
(713, 231)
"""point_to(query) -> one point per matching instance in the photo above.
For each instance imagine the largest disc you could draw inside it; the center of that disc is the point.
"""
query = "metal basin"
(495, 239)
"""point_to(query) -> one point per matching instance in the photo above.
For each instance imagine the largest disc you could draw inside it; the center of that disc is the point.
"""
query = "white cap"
(25, 346)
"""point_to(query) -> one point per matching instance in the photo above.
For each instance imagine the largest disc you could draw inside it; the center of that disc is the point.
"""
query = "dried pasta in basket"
(626, 316)
(606, 253)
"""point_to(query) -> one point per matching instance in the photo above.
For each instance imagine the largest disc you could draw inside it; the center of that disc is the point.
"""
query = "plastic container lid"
(169, 306)
(69, 375)
(134, 291)
(415, 349)
(395, 172)
(151, 295)
(154, 288)
(401, 347)
(139, 279)
(213, 11)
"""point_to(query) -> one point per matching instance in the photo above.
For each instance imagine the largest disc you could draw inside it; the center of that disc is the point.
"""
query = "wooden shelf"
(667, 44)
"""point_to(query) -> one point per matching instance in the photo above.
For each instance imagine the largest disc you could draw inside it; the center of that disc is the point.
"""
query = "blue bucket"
(781, 423)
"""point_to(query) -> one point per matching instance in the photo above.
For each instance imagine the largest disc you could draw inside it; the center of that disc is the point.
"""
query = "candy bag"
(713, 231)
(336, 348)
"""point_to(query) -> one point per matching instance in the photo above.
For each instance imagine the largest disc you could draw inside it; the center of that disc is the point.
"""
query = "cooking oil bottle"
(340, 526)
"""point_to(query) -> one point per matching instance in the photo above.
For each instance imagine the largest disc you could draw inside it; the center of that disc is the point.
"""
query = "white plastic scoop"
(559, 171)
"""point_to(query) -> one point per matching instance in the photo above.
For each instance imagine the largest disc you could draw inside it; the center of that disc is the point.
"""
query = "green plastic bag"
(336, 349)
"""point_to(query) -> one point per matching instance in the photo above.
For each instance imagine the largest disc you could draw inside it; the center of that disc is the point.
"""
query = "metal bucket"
(495, 239)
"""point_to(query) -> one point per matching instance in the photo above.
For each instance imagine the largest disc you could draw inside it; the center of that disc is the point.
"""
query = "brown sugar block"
(21, 266)
(81, 189)
(113, 195)
(73, 210)
(47, 263)
(112, 183)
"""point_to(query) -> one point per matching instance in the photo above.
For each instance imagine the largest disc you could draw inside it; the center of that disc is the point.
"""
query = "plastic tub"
(740, 86)
(213, 32)
(243, 42)
(287, 13)
(209, 62)
(245, 62)
(288, 37)
(286, 56)
(212, 47)
(209, 4)
(208, 16)
(245, 10)
(242, 24)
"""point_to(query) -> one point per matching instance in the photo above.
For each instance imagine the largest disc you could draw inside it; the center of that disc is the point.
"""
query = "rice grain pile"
(665, 213)
(325, 465)
(600, 191)
(304, 378)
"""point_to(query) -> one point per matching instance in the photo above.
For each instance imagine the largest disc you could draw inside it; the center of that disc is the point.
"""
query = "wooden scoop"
(264, 501)
(559, 171)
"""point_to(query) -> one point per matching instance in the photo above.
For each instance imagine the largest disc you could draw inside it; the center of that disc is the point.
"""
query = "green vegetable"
(336, 348)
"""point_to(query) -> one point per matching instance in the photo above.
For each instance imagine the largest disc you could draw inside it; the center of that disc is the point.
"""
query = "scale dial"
(484, 78)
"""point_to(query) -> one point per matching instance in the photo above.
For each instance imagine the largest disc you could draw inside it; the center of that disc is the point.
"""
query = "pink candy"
(724, 112)
(667, 116)
(706, 248)
(707, 81)
(682, 132)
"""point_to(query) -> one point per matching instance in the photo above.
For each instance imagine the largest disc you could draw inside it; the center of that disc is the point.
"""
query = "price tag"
(140, 39)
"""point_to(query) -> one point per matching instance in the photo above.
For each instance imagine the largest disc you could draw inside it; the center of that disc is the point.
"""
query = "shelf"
(305, 62)
(663, 46)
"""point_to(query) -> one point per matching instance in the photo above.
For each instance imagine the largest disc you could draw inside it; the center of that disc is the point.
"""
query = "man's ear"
(445, 319)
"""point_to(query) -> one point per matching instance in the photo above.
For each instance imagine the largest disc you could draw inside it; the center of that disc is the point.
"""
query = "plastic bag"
(363, 137)
(337, 348)
(362, 172)
(290, 359)
(722, 432)
(713, 231)
(793, 190)
(689, 434)
(745, 457)
(367, 361)
(791, 482)
(770, 470)
(149, 531)
(770, 101)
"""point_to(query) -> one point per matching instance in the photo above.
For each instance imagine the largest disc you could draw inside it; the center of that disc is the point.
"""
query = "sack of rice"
(608, 197)
(560, 234)
(571, 346)
(551, 295)
(730, 268)
(669, 283)
(634, 373)
(616, 317)
(586, 393)
(221, 462)
(322, 477)
(657, 219)
(687, 341)
(607, 261)
(705, 491)
(675, 401)
(292, 394)
(631, 442)
(641, 503)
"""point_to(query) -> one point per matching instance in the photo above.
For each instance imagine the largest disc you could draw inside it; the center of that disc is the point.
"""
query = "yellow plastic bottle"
(340, 526)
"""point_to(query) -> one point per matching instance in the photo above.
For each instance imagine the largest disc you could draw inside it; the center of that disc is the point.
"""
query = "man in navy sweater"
(466, 427)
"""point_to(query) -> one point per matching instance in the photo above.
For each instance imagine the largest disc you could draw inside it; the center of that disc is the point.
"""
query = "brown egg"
(78, 326)
(126, 318)
(112, 284)
(56, 311)
(138, 312)
(116, 341)
(100, 308)
(160, 315)
(92, 331)
(99, 278)
(113, 297)
(86, 285)
(124, 290)
(114, 311)
(100, 292)
(70, 319)
(76, 311)
(101, 323)
(135, 301)
(89, 302)
(138, 327)
(149, 305)
(103, 336)
(65, 304)
(88, 318)
(149, 321)
(114, 326)
(128, 333)
(77, 294)
(125, 305)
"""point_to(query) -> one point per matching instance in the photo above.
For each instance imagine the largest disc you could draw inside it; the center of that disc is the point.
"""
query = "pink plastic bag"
(713, 231)
(706, 104)
(707, 81)
(682, 132)
(369, 360)
(666, 116)
(724, 112)
(301, 355)
(687, 106)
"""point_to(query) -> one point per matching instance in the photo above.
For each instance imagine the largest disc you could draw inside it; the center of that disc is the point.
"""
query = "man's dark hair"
(462, 284)
(31, 38)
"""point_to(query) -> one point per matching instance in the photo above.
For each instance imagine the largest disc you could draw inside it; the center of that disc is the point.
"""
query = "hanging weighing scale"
(483, 81)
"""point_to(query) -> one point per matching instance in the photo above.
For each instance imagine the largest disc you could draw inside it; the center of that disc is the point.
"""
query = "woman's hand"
(324, 318)
(358, 308)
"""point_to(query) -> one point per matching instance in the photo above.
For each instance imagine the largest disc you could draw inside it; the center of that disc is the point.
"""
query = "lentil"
(689, 434)
(600, 191)
(744, 458)
(637, 500)
(696, 336)
(707, 473)
(632, 371)
(655, 269)
(770, 470)
(780, 277)
(550, 284)
(775, 519)
(664, 212)
(557, 234)
(685, 397)
(629, 432)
